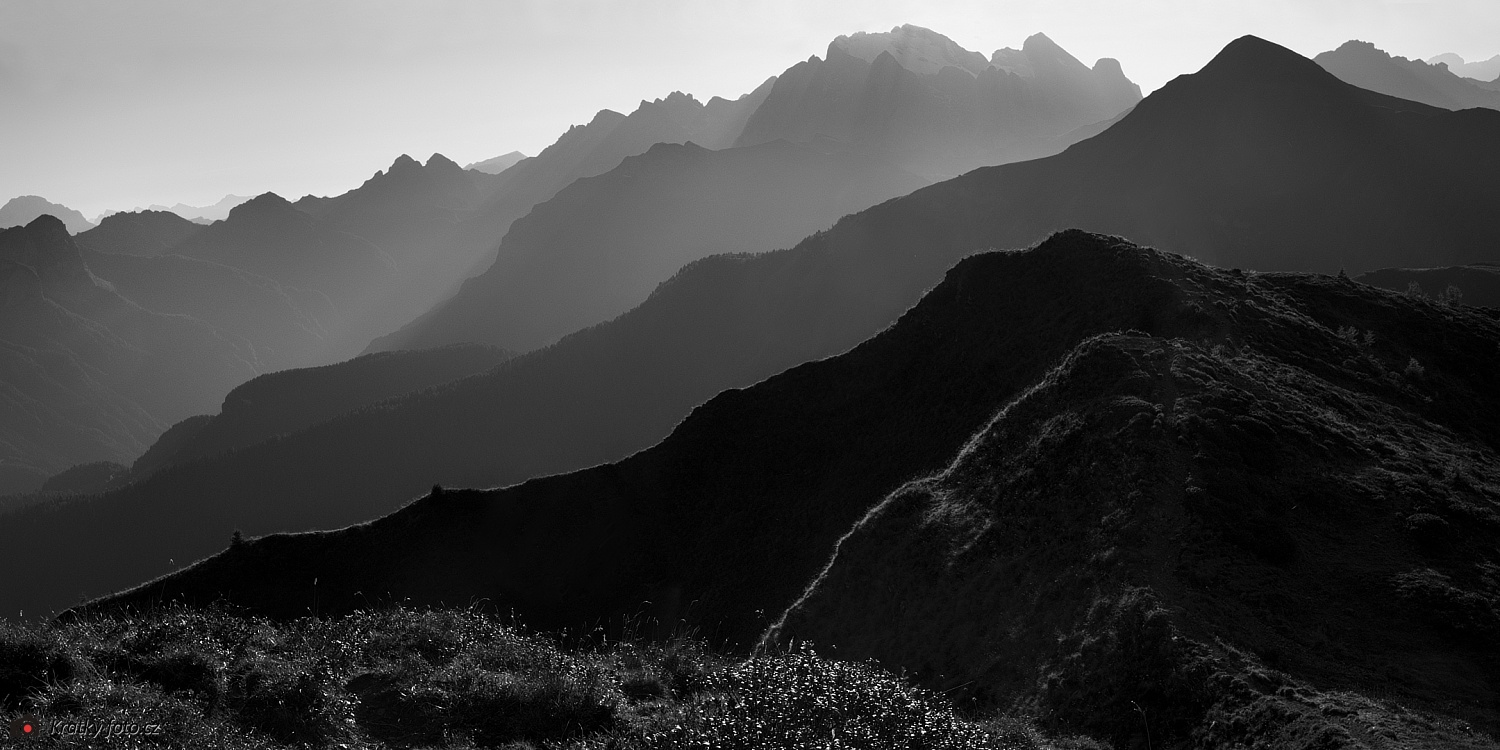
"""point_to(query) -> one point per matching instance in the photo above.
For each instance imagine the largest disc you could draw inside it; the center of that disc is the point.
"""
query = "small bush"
(30, 659)
(1414, 369)
(287, 702)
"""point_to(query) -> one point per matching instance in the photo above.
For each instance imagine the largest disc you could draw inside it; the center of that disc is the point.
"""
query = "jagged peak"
(404, 161)
(918, 49)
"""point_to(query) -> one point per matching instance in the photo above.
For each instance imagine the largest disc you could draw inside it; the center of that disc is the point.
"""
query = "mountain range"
(1481, 70)
(1363, 65)
(1091, 476)
(647, 217)
(22, 210)
(1223, 164)
(917, 99)
(85, 368)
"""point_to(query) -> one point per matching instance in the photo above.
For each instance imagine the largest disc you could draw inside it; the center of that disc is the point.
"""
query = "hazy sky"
(118, 103)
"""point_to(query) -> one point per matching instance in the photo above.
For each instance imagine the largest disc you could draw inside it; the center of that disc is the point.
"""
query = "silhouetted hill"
(1479, 284)
(138, 233)
(1242, 479)
(914, 97)
(284, 326)
(88, 375)
(284, 402)
(1361, 64)
(1259, 169)
(497, 164)
(600, 246)
(1482, 70)
(24, 209)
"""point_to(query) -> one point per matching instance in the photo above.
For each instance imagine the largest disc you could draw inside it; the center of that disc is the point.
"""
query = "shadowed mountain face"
(915, 98)
(282, 403)
(1476, 285)
(89, 375)
(146, 233)
(1361, 64)
(600, 246)
(1229, 482)
(284, 326)
(25, 209)
(270, 237)
(730, 321)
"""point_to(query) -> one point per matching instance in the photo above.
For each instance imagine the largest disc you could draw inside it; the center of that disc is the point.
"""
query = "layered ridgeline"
(88, 374)
(914, 97)
(602, 244)
(23, 210)
(1365, 66)
(911, 99)
(1480, 70)
(498, 164)
(285, 402)
(1227, 491)
(1263, 157)
(144, 233)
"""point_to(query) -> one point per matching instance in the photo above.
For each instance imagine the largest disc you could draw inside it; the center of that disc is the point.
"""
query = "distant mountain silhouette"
(283, 325)
(497, 164)
(916, 98)
(201, 214)
(89, 375)
(1262, 159)
(138, 233)
(1482, 70)
(270, 237)
(1479, 283)
(24, 209)
(1361, 64)
(284, 402)
(1022, 501)
(599, 246)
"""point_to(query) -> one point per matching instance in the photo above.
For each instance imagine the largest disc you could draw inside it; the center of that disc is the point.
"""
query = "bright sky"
(112, 104)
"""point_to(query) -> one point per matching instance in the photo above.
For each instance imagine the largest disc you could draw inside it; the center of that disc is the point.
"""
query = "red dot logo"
(25, 726)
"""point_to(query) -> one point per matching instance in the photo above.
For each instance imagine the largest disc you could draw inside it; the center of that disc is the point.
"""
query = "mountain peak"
(404, 161)
(263, 204)
(917, 49)
(1252, 58)
(438, 161)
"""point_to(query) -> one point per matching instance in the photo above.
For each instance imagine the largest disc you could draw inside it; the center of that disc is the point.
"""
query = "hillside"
(602, 244)
(268, 236)
(87, 374)
(1262, 472)
(283, 326)
(731, 321)
(1477, 285)
(1365, 66)
(284, 402)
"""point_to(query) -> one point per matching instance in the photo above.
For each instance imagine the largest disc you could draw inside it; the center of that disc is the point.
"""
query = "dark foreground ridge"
(1235, 496)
